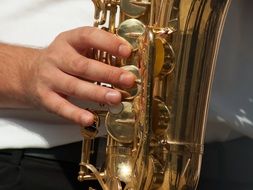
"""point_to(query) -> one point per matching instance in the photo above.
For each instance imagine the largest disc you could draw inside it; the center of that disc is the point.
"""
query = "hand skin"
(45, 78)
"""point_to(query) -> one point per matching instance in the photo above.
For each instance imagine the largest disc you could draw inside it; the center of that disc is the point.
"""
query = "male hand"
(64, 70)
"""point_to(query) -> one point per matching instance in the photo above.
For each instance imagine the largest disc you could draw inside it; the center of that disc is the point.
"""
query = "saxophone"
(155, 136)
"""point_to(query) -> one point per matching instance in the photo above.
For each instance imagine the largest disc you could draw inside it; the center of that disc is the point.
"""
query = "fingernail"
(113, 97)
(127, 79)
(124, 50)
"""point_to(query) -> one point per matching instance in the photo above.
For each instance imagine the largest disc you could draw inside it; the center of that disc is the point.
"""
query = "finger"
(91, 37)
(78, 65)
(57, 104)
(84, 90)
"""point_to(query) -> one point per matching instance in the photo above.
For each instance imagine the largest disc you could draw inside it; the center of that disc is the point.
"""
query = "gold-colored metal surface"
(155, 136)
(121, 126)
(131, 30)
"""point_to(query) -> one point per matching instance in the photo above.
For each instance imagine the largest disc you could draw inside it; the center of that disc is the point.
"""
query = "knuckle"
(59, 107)
(80, 65)
(53, 104)
(96, 94)
(44, 75)
(50, 55)
(112, 76)
(108, 76)
(71, 87)
(42, 98)
(86, 32)
(99, 95)
(61, 36)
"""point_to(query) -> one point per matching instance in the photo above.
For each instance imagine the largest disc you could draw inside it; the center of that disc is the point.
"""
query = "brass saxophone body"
(155, 136)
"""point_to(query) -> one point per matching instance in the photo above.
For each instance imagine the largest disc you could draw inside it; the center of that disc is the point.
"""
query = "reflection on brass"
(121, 126)
(131, 30)
(160, 122)
(131, 9)
(165, 55)
(135, 90)
(155, 135)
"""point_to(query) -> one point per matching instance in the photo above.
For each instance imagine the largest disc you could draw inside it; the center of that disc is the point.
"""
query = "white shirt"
(37, 22)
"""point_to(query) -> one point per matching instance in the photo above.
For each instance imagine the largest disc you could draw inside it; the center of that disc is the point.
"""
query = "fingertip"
(113, 97)
(127, 79)
(124, 50)
(87, 119)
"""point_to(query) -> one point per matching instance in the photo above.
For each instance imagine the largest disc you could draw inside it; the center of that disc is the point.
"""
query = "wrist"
(14, 71)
